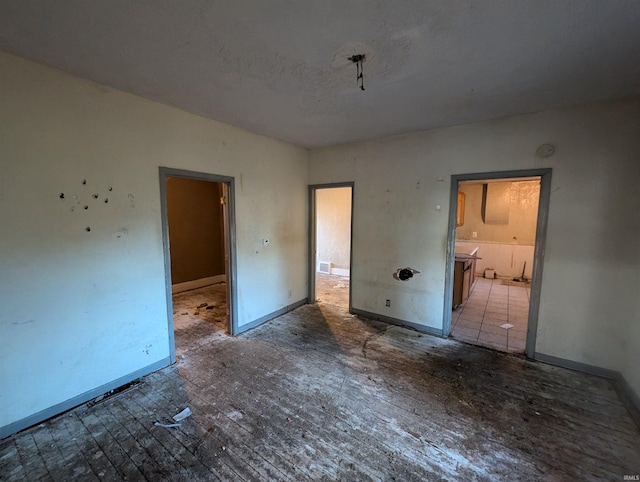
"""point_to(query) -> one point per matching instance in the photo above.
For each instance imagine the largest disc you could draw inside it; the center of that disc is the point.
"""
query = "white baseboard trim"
(340, 271)
(197, 283)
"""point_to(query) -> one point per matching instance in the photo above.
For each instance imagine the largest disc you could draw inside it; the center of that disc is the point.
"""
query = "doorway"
(198, 227)
(331, 229)
(497, 232)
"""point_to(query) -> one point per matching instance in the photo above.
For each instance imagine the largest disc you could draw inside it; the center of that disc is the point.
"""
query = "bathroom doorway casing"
(539, 250)
(228, 203)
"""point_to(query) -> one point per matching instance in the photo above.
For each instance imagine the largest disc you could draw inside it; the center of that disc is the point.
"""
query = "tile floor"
(490, 305)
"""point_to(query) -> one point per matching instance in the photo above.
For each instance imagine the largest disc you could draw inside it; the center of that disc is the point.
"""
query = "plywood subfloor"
(318, 394)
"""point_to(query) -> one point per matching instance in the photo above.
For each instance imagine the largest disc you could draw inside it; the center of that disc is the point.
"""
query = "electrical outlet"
(474, 234)
(388, 303)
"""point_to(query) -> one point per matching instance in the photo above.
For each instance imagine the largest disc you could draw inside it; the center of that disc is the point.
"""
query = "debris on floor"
(202, 305)
(182, 415)
(527, 420)
(179, 417)
(168, 425)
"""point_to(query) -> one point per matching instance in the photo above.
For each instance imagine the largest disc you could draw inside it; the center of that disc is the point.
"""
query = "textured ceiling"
(280, 68)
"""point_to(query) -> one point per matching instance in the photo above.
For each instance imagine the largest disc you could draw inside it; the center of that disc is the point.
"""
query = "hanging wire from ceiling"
(358, 60)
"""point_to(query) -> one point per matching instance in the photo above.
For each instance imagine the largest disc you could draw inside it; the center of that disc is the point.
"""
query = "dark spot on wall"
(61, 195)
(95, 196)
(86, 207)
(106, 200)
(110, 189)
(87, 229)
(84, 182)
(405, 274)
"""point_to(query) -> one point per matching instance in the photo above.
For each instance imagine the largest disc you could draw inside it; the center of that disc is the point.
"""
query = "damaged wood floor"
(318, 394)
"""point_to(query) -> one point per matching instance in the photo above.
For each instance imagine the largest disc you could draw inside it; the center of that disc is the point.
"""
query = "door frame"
(311, 282)
(229, 239)
(538, 253)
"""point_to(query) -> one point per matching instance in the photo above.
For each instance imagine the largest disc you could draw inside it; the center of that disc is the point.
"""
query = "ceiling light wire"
(358, 60)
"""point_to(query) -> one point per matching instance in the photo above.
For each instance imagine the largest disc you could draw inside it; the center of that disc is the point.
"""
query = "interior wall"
(507, 260)
(521, 204)
(81, 308)
(630, 344)
(196, 229)
(401, 206)
(333, 214)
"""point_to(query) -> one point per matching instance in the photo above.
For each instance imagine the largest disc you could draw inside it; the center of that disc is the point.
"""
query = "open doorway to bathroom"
(196, 221)
(330, 264)
(496, 258)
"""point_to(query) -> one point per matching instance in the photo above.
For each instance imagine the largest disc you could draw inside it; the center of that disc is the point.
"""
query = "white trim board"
(197, 283)
(340, 271)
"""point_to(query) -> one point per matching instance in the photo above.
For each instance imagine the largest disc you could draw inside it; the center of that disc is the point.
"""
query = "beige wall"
(521, 204)
(333, 214)
(588, 305)
(195, 229)
(104, 290)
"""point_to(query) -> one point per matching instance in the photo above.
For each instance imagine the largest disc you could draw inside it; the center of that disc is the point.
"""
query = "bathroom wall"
(508, 260)
(521, 203)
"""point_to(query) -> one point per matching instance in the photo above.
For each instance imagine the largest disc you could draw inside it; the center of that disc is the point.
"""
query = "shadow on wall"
(196, 229)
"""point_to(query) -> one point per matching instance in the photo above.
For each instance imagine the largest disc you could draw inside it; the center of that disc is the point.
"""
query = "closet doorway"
(198, 232)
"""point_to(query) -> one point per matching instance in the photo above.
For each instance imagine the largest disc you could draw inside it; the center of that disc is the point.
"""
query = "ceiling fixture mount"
(358, 60)
(545, 150)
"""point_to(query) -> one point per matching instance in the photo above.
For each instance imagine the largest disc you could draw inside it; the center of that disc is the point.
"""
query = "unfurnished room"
(319, 240)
